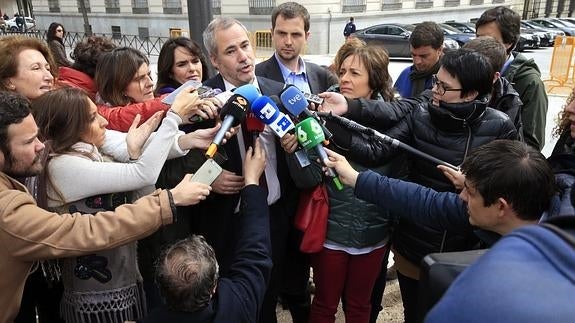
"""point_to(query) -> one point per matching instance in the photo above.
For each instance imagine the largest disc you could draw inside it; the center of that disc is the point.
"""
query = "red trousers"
(337, 274)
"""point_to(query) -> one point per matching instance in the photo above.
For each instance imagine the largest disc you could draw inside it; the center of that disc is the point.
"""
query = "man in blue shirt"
(426, 45)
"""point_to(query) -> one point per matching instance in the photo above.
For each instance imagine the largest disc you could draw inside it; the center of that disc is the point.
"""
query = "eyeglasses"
(440, 87)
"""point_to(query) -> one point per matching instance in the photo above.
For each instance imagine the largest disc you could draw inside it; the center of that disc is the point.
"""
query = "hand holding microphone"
(233, 113)
(311, 136)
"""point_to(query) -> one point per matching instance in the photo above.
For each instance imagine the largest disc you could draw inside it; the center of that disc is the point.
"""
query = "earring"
(12, 87)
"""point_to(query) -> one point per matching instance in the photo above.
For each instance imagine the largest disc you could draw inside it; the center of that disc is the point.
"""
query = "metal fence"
(150, 46)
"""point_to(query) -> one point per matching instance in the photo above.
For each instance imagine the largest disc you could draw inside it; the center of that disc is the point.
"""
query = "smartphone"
(207, 173)
(172, 96)
(313, 98)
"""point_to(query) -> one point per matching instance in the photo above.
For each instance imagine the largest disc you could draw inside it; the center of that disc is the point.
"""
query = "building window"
(452, 3)
(261, 7)
(116, 32)
(216, 7)
(86, 5)
(423, 4)
(143, 33)
(476, 2)
(391, 5)
(140, 7)
(172, 6)
(54, 5)
(112, 6)
(497, 1)
(353, 6)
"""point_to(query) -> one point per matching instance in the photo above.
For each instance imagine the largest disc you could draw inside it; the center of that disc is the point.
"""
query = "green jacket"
(525, 77)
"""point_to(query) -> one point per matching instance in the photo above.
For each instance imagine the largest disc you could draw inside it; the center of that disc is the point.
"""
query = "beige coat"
(29, 233)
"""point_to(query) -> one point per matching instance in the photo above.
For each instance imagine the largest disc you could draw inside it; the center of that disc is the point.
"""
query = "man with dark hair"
(504, 97)
(503, 24)
(508, 184)
(426, 45)
(187, 272)
(29, 234)
(349, 28)
(290, 32)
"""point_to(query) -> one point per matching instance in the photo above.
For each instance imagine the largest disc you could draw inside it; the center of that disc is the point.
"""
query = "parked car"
(464, 27)
(394, 38)
(569, 19)
(527, 40)
(456, 34)
(554, 32)
(2, 24)
(546, 35)
(13, 27)
(545, 22)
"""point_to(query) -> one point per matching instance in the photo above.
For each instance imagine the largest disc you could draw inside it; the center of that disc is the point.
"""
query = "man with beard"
(426, 45)
(29, 234)
(290, 32)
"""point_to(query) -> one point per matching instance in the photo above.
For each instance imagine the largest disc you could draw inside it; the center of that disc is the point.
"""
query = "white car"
(13, 27)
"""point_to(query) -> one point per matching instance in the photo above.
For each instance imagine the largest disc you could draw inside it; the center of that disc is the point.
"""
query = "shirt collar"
(286, 71)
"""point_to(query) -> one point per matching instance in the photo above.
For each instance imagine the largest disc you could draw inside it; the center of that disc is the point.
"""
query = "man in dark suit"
(290, 32)
(231, 53)
(188, 271)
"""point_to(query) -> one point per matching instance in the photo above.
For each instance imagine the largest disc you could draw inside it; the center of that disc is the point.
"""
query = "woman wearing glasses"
(448, 125)
(55, 39)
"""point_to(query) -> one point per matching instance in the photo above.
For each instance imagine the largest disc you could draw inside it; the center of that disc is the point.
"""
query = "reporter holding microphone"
(357, 232)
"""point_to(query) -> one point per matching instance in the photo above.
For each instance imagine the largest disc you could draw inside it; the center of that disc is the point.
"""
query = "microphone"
(310, 136)
(295, 102)
(350, 124)
(268, 112)
(249, 92)
(233, 113)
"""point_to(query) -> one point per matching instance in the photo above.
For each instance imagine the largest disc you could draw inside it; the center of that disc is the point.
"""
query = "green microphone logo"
(309, 133)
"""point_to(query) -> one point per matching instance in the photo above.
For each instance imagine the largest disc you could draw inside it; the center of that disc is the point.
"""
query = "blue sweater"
(527, 277)
(404, 86)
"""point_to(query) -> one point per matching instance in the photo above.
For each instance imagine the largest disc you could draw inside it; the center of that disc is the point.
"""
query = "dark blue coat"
(240, 293)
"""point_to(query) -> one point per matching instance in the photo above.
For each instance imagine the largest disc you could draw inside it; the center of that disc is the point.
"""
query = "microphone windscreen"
(265, 109)
(293, 100)
(309, 133)
(248, 91)
(253, 124)
(237, 107)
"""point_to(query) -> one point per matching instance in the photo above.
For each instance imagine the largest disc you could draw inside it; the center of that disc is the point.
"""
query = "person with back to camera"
(30, 234)
(349, 28)
(55, 39)
(86, 55)
(188, 272)
(181, 59)
(105, 285)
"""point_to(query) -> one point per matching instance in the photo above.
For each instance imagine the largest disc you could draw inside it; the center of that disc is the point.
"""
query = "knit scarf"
(105, 286)
(418, 79)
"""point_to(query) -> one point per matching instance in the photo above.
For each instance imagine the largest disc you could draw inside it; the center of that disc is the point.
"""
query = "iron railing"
(150, 46)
